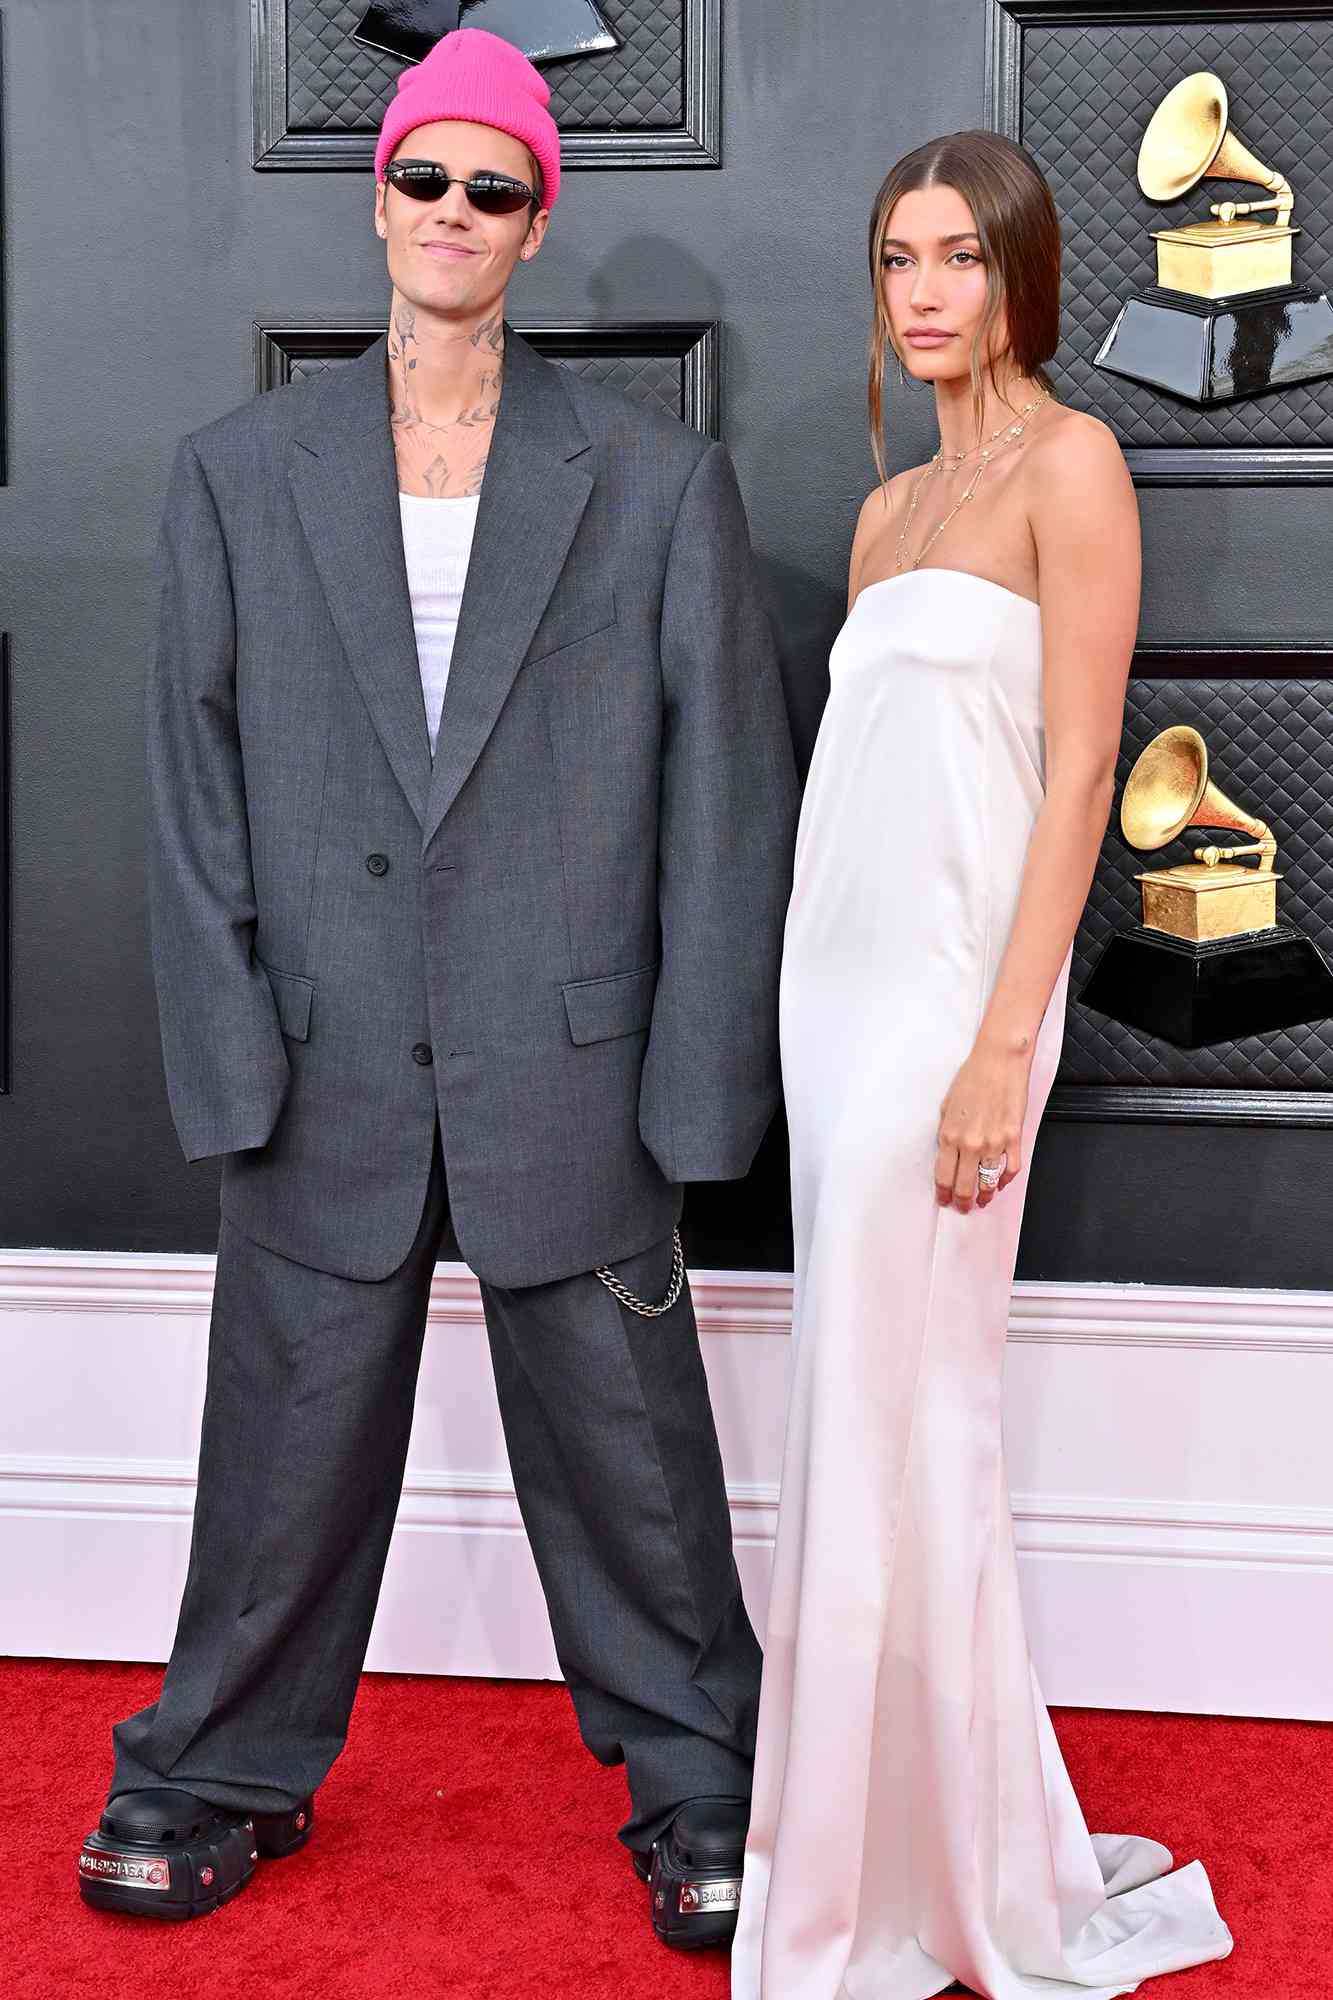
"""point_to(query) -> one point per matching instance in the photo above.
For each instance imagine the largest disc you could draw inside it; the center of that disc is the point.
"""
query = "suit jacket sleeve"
(725, 836)
(226, 1064)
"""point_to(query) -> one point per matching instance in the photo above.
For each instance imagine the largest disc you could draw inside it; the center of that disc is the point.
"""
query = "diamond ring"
(991, 1172)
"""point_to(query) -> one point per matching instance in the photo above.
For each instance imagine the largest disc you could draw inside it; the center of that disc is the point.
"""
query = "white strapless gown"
(913, 1820)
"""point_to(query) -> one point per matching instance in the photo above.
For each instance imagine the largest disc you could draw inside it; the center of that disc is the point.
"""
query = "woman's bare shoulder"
(1075, 440)
(879, 510)
(883, 504)
(1074, 466)
(884, 498)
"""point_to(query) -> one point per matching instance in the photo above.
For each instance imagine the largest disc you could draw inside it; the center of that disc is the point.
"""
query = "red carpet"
(466, 1851)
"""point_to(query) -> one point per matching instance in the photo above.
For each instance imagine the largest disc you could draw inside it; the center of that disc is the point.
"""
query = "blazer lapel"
(345, 480)
(532, 500)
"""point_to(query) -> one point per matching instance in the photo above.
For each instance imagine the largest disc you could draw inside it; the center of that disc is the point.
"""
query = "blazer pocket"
(601, 1009)
(569, 625)
(292, 995)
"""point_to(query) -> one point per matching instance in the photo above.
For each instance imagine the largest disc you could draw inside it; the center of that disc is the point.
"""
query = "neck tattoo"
(448, 457)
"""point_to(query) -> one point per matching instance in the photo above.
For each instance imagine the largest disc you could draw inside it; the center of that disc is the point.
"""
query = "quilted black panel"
(334, 85)
(1270, 745)
(304, 367)
(1087, 92)
(656, 379)
(642, 84)
(648, 378)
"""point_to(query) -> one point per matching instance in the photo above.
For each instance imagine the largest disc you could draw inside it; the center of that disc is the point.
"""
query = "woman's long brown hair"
(1019, 232)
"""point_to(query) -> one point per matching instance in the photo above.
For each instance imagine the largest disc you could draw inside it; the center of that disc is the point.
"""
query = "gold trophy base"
(1223, 260)
(1197, 903)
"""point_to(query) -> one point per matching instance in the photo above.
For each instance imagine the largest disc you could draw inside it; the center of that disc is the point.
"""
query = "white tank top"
(437, 543)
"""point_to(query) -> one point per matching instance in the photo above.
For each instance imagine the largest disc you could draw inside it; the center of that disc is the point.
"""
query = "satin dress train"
(913, 1821)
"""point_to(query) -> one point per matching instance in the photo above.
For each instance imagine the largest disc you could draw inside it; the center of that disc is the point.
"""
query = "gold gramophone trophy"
(1210, 962)
(1224, 319)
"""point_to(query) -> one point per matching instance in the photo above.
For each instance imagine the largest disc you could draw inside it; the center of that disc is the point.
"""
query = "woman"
(913, 1822)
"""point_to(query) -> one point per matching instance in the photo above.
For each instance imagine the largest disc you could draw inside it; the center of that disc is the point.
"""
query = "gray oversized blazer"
(566, 930)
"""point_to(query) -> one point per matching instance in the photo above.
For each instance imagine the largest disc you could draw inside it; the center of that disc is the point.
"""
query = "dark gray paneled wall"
(139, 246)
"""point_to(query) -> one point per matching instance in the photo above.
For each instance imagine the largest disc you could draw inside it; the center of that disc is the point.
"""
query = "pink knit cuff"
(483, 80)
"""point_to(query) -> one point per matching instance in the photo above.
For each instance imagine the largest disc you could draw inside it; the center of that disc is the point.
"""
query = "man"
(526, 982)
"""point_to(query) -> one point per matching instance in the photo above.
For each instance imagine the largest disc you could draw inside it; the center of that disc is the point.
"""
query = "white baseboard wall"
(1167, 1446)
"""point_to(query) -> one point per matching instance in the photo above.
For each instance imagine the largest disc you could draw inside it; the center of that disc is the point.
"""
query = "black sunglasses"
(491, 194)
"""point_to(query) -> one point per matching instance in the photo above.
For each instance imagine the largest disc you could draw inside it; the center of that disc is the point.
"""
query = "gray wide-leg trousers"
(311, 1380)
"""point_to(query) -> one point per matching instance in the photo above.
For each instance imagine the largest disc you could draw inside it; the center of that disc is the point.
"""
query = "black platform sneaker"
(166, 1853)
(279, 1834)
(694, 1873)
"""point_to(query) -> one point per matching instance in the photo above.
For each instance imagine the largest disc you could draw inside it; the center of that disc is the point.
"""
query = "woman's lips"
(928, 339)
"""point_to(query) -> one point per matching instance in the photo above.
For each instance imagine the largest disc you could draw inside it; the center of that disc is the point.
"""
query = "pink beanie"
(483, 80)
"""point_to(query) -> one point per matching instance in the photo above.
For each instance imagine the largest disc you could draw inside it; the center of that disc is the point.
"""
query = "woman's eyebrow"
(963, 236)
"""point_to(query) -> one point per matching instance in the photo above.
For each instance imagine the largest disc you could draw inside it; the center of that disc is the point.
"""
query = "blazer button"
(378, 864)
(422, 1053)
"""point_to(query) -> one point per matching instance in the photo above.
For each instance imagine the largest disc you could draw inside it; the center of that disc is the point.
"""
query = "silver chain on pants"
(636, 1304)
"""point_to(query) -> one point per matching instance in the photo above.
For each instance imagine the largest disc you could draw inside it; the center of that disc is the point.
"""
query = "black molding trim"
(697, 142)
(1232, 663)
(1006, 22)
(1157, 1104)
(6, 854)
(696, 343)
(278, 343)
(1189, 465)
(1151, 1103)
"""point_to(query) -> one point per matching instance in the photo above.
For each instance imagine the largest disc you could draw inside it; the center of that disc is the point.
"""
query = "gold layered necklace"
(1010, 432)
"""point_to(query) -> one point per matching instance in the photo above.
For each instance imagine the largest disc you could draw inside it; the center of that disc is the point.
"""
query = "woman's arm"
(1085, 525)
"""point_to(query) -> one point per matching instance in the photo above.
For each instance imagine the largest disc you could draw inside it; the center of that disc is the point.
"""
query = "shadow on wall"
(677, 275)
